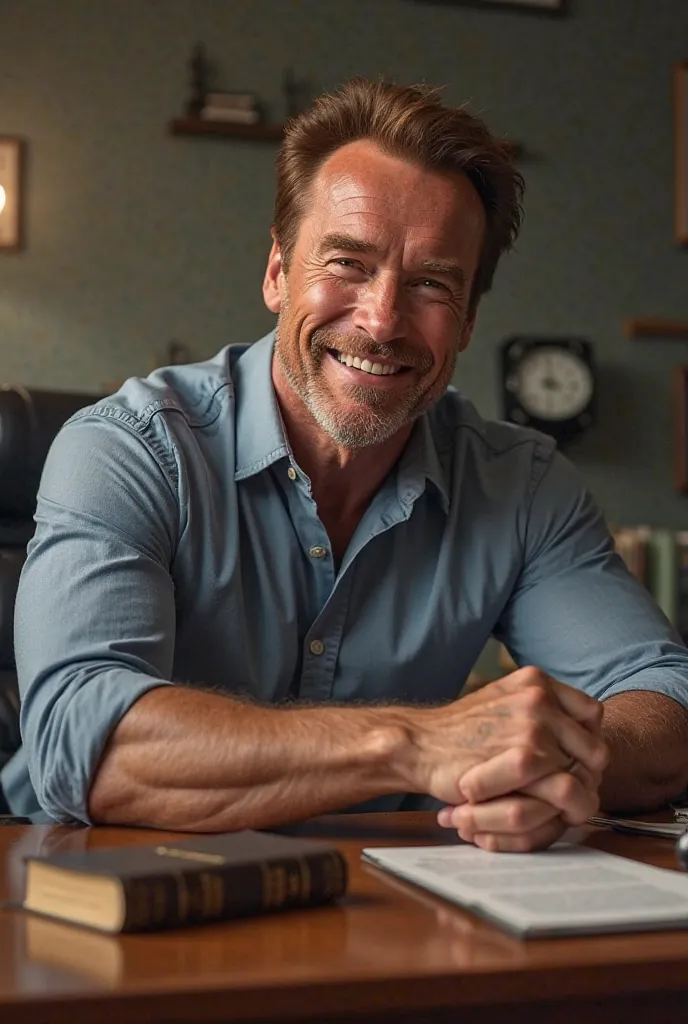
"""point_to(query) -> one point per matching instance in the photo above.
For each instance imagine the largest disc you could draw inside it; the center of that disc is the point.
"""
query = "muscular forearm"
(647, 735)
(188, 759)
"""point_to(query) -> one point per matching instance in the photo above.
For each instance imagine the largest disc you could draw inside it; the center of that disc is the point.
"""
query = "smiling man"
(258, 584)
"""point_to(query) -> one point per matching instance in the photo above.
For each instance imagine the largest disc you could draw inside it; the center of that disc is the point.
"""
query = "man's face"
(374, 307)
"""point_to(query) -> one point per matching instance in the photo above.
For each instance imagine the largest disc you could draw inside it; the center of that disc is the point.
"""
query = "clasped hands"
(528, 758)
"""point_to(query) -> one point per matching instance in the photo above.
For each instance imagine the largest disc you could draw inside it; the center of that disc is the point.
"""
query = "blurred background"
(137, 239)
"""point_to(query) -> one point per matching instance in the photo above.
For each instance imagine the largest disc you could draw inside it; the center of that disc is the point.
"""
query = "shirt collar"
(261, 439)
(420, 462)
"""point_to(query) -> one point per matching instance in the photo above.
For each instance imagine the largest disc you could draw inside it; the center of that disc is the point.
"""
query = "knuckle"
(603, 756)
(597, 710)
(530, 673)
(516, 817)
(532, 735)
(566, 790)
(524, 760)
(524, 843)
(535, 696)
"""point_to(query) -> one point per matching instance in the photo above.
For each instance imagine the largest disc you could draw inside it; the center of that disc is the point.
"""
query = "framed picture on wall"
(681, 429)
(681, 150)
(11, 160)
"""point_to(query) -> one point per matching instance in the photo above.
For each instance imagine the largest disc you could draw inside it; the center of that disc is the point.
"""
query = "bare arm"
(647, 735)
(192, 760)
(187, 759)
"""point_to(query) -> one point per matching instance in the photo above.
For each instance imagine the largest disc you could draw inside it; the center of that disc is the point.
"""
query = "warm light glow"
(3, 198)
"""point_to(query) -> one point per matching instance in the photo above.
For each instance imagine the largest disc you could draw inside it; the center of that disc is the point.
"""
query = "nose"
(378, 310)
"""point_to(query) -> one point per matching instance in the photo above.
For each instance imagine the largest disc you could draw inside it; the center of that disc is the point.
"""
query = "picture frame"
(550, 7)
(11, 193)
(680, 409)
(681, 151)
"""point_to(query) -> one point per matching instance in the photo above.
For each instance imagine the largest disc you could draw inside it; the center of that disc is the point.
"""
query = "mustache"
(324, 339)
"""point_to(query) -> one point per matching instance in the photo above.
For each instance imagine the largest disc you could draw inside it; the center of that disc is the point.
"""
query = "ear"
(273, 282)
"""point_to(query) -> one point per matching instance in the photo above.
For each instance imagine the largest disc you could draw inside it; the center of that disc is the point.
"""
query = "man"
(258, 584)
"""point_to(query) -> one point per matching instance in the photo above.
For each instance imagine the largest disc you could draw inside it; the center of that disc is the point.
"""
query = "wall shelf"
(226, 129)
(656, 327)
(258, 132)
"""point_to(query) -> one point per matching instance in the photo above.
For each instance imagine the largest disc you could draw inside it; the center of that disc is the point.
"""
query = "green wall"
(135, 238)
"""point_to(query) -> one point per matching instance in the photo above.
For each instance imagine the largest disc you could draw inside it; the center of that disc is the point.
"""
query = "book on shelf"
(231, 100)
(208, 878)
(566, 890)
(658, 558)
(209, 113)
(631, 543)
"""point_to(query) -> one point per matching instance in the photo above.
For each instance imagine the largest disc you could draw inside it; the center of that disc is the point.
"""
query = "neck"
(343, 481)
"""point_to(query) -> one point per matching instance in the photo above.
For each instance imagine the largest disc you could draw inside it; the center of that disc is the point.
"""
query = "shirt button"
(317, 551)
(291, 473)
(317, 646)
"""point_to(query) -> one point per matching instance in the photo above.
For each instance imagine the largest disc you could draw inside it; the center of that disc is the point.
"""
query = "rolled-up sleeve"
(576, 612)
(95, 611)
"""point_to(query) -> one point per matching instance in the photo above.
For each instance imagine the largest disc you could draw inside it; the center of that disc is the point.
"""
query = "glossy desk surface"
(390, 952)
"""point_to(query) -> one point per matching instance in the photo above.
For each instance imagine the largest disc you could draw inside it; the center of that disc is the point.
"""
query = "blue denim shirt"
(177, 540)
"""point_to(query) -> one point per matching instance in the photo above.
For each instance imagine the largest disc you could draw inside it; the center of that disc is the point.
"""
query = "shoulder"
(195, 391)
(464, 438)
(157, 410)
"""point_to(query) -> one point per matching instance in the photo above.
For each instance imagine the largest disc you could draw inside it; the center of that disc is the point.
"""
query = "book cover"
(170, 884)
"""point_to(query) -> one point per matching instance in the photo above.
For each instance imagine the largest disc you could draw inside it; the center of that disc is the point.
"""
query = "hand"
(504, 738)
(531, 820)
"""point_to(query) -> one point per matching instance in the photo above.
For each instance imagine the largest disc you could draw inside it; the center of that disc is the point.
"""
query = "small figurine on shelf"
(295, 91)
(199, 69)
(290, 88)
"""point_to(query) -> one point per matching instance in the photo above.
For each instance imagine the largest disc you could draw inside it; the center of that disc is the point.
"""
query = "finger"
(538, 839)
(512, 770)
(568, 794)
(513, 815)
(579, 743)
(579, 705)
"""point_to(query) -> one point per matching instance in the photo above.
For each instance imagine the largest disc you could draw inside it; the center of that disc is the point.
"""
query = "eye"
(431, 284)
(348, 269)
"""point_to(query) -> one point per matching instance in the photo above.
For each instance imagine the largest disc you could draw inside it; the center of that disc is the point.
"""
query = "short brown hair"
(409, 122)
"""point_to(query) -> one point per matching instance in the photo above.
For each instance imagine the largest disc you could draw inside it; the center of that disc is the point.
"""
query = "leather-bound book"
(171, 884)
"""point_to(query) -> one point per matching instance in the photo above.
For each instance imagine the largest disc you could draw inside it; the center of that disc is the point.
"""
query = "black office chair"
(29, 420)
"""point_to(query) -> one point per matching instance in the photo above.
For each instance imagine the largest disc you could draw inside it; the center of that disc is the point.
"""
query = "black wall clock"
(549, 384)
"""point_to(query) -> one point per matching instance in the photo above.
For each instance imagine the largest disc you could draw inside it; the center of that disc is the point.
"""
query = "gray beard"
(374, 424)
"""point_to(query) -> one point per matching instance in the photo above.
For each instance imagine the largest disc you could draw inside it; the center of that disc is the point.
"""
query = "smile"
(367, 366)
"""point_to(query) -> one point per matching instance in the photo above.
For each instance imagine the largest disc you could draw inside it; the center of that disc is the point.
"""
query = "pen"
(682, 850)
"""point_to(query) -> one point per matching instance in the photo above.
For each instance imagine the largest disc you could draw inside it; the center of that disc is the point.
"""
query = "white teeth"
(379, 369)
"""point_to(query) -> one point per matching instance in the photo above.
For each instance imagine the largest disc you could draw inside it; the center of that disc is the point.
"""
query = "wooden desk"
(390, 953)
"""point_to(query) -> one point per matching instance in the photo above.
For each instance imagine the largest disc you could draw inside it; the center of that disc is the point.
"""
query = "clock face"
(553, 383)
